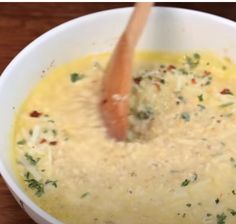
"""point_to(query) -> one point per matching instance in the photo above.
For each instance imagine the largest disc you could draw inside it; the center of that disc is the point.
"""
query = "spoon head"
(115, 114)
(116, 89)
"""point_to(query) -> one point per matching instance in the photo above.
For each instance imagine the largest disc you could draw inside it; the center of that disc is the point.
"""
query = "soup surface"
(178, 164)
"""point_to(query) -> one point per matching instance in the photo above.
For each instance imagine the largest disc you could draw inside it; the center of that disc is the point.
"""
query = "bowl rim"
(8, 179)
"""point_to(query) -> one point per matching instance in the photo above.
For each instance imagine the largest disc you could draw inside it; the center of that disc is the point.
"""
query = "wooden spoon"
(118, 75)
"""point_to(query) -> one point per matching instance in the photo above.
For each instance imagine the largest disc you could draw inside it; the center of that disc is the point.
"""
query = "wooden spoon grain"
(118, 75)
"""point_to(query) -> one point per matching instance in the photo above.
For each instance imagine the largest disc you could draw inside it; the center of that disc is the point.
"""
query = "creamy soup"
(178, 164)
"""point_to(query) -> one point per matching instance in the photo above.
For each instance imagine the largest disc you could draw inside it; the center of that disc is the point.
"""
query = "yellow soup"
(178, 164)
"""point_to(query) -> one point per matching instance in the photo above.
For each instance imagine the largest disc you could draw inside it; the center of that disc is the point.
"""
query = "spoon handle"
(117, 80)
(137, 21)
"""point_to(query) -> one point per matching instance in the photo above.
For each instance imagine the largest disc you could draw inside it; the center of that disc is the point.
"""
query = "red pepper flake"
(137, 80)
(206, 73)
(170, 67)
(43, 141)
(35, 113)
(226, 92)
(158, 86)
(53, 143)
(193, 81)
(104, 101)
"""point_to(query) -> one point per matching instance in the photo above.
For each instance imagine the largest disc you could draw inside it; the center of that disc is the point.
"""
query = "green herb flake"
(54, 132)
(27, 175)
(30, 132)
(208, 81)
(144, 114)
(233, 192)
(208, 214)
(45, 131)
(185, 183)
(221, 218)
(84, 195)
(232, 211)
(194, 177)
(217, 200)
(35, 185)
(185, 116)
(188, 204)
(162, 81)
(31, 160)
(183, 71)
(200, 98)
(52, 182)
(21, 142)
(74, 77)
(224, 67)
(233, 161)
(226, 104)
(201, 107)
(181, 98)
(193, 61)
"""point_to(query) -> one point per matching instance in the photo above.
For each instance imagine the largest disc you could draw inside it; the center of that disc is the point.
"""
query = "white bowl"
(168, 29)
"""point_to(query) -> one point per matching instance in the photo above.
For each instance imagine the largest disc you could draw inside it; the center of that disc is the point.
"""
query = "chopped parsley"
(217, 200)
(45, 131)
(221, 218)
(185, 183)
(194, 177)
(232, 160)
(31, 160)
(188, 204)
(232, 211)
(208, 214)
(209, 80)
(54, 132)
(202, 107)
(181, 98)
(185, 116)
(74, 77)
(30, 132)
(200, 98)
(52, 182)
(193, 61)
(183, 71)
(38, 186)
(84, 195)
(162, 81)
(35, 185)
(233, 192)
(21, 142)
(144, 114)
